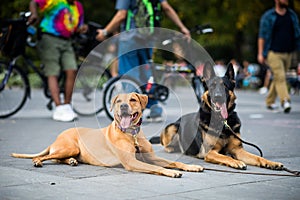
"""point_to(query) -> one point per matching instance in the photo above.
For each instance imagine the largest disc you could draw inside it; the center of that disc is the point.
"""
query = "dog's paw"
(73, 162)
(273, 165)
(37, 163)
(172, 173)
(193, 168)
(238, 165)
(169, 149)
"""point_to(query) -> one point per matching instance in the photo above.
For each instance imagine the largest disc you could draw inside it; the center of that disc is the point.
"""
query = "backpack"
(146, 15)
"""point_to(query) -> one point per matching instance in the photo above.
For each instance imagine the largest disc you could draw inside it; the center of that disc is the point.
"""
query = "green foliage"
(235, 22)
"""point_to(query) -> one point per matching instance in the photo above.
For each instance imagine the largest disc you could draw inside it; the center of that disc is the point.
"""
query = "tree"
(235, 22)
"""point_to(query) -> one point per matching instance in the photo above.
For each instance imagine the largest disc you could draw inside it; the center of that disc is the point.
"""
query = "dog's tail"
(43, 153)
(170, 129)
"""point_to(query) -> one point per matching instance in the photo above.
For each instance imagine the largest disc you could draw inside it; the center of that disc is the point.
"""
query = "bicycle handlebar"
(198, 29)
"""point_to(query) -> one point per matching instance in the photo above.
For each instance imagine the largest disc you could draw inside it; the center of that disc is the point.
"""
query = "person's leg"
(50, 56)
(271, 97)
(276, 62)
(69, 85)
(54, 89)
(69, 66)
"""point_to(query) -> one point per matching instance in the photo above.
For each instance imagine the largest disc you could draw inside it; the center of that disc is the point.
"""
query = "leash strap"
(237, 137)
(294, 173)
(136, 143)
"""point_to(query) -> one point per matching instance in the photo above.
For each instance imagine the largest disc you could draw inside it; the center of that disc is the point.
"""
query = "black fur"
(190, 126)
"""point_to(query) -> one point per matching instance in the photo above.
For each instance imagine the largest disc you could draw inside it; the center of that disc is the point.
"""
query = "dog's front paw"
(238, 165)
(193, 168)
(172, 173)
(37, 162)
(73, 162)
(273, 165)
(169, 149)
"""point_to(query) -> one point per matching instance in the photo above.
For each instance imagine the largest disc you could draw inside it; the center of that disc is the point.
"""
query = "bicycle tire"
(15, 92)
(198, 88)
(118, 85)
(88, 90)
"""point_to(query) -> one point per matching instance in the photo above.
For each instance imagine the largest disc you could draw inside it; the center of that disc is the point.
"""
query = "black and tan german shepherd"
(204, 134)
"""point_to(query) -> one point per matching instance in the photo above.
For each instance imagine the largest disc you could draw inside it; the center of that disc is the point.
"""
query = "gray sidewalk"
(32, 129)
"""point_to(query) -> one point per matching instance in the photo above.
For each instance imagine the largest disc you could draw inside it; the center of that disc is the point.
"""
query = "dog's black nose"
(124, 106)
(219, 97)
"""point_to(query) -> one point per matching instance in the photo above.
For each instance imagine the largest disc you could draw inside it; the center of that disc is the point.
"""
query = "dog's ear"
(208, 71)
(230, 72)
(113, 101)
(143, 99)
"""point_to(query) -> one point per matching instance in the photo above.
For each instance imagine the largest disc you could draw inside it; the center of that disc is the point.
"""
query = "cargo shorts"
(56, 54)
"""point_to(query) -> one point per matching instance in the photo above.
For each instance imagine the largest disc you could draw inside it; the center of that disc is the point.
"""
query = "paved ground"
(32, 129)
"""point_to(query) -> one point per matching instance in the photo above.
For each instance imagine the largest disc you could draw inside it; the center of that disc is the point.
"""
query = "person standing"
(126, 11)
(279, 36)
(61, 18)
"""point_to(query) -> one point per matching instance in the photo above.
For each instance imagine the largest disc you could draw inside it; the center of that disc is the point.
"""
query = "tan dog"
(115, 144)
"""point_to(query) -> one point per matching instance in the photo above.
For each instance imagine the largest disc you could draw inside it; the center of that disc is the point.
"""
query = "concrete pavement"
(32, 129)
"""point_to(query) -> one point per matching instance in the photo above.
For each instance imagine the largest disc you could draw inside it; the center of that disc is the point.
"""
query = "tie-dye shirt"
(59, 17)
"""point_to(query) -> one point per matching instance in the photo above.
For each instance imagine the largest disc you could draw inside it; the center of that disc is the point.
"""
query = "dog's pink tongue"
(125, 121)
(224, 112)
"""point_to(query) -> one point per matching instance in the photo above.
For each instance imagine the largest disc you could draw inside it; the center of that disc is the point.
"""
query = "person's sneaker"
(70, 110)
(263, 90)
(64, 113)
(286, 106)
(273, 106)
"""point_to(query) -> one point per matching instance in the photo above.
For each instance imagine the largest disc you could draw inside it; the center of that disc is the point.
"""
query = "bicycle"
(15, 88)
(153, 88)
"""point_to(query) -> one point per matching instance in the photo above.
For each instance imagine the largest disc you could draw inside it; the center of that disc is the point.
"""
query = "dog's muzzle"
(126, 118)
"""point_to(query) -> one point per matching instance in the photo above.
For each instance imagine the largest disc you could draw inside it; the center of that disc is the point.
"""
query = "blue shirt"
(267, 22)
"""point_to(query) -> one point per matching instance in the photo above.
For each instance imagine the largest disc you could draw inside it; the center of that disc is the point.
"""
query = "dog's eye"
(118, 101)
(133, 100)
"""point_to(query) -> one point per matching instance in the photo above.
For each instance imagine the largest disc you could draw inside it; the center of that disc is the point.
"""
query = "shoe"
(263, 90)
(64, 113)
(70, 110)
(286, 106)
(273, 106)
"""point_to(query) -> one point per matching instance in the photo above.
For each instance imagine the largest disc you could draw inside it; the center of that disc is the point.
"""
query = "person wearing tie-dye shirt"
(60, 20)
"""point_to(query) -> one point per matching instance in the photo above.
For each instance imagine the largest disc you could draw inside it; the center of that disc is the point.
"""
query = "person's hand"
(101, 34)
(32, 18)
(186, 33)
(260, 59)
(83, 29)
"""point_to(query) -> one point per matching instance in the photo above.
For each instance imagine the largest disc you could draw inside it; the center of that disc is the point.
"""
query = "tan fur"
(109, 146)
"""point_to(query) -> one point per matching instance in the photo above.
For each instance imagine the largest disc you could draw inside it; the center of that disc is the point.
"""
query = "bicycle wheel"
(198, 88)
(14, 92)
(88, 90)
(118, 85)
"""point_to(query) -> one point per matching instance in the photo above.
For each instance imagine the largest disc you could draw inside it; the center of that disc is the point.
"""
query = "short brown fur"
(110, 146)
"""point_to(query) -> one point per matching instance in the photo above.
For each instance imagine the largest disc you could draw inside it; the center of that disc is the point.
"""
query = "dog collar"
(134, 130)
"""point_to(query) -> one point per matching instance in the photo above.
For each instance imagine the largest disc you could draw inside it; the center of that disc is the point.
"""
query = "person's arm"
(33, 9)
(113, 25)
(172, 15)
(260, 49)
